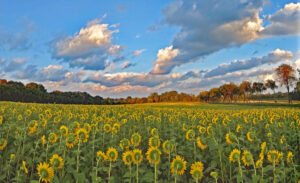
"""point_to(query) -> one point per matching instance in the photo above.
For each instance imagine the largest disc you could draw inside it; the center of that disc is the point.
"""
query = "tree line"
(229, 92)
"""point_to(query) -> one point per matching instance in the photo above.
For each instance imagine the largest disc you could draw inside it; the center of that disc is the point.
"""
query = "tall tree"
(271, 84)
(245, 87)
(228, 90)
(286, 76)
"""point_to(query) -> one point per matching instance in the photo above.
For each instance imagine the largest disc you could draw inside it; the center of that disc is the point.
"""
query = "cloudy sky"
(132, 47)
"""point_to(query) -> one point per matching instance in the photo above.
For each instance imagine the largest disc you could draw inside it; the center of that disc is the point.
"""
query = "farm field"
(159, 143)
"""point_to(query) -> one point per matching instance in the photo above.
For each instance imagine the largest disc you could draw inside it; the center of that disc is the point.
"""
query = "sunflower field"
(148, 143)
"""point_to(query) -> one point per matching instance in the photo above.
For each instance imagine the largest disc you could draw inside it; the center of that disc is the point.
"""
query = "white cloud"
(90, 48)
(284, 22)
(163, 62)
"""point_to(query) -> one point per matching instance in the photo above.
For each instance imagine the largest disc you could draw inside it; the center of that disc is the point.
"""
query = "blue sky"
(120, 48)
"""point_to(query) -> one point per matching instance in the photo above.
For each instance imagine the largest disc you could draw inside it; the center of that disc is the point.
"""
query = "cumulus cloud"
(284, 22)
(209, 26)
(138, 52)
(272, 58)
(164, 62)
(135, 79)
(89, 48)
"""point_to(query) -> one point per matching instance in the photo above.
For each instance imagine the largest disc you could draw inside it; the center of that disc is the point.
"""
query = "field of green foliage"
(149, 143)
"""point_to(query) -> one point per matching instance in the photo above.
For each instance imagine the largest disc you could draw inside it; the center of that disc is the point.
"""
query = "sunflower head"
(87, 127)
(197, 170)
(101, 156)
(202, 129)
(190, 134)
(178, 165)
(136, 139)
(82, 135)
(52, 137)
(116, 128)
(124, 143)
(247, 158)
(289, 157)
(154, 141)
(200, 144)
(209, 130)
(56, 162)
(112, 154)
(154, 132)
(45, 172)
(230, 138)
(250, 136)
(137, 156)
(153, 155)
(274, 156)
(107, 128)
(63, 130)
(168, 147)
(234, 155)
(127, 158)
(3, 143)
(24, 167)
(71, 140)
(214, 174)
(259, 163)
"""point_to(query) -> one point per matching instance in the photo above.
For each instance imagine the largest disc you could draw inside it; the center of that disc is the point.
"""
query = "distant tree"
(214, 94)
(3, 81)
(245, 88)
(271, 84)
(204, 96)
(229, 90)
(286, 76)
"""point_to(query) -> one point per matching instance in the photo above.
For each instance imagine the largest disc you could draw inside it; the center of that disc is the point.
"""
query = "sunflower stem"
(240, 168)
(78, 153)
(137, 173)
(109, 171)
(96, 173)
(130, 172)
(175, 179)
(155, 173)
(274, 172)
(47, 151)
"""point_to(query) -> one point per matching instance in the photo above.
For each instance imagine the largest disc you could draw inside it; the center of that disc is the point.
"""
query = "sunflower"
(20, 117)
(274, 156)
(3, 143)
(154, 141)
(214, 174)
(57, 161)
(43, 140)
(63, 130)
(112, 154)
(247, 158)
(289, 157)
(190, 134)
(259, 163)
(209, 130)
(136, 139)
(52, 137)
(282, 139)
(178, 165)
(250, 136)
(24, 167)
(32, 126)
(101, 156)
(71, 140)
(234, 155)
(1, 120)
(75, 125)
(45, 172)
(107, 128)
(263, 146)
(12, 157)
(202, 129)
(229, 138)
(197, 170)
(116, 128)
(269, 134)
(153, 155)
(87, 127)
(154, 132)
(82, 135)
(124, 143)
(200, 144)
(168, 147)
(137, 156)
(238, 128)
(127, 158)
(28, 113)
